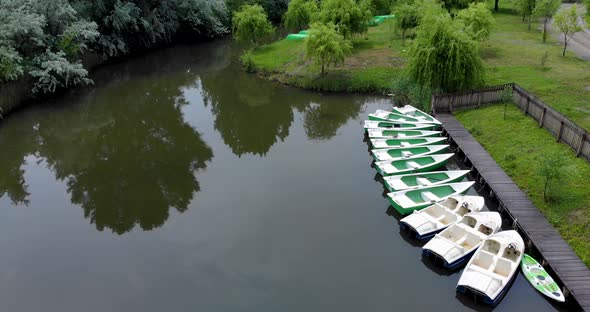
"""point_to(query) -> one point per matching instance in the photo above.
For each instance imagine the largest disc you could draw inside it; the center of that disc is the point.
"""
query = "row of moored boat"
(409, 151)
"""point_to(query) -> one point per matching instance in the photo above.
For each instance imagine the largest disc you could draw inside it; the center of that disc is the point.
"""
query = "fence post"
(582, 139)
(479, 99)
(542, 117)
(526, 108)
(451, 105)
(559, 132)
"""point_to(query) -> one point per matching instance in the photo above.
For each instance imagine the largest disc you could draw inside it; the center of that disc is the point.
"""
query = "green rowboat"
(415, 180)
(409, 200)
(393, 143)
(381, 133)
(540, 279)
(411, 111)
(412, 164)
(405, 152)
(383, 115)
(377, 124)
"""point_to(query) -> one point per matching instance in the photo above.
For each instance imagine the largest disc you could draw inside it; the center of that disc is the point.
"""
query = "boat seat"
(422, 181)
(406, 154)
(412, 164)
(404, 144)
(428, 196)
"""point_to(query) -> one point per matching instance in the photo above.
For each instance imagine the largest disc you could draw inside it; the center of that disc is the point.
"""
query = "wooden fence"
(561, 127)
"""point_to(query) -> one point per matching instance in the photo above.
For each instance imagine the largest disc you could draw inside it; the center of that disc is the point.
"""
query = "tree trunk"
(496, 7)
(545, 30)
(323, 72)
(564, 45)
(530, 20)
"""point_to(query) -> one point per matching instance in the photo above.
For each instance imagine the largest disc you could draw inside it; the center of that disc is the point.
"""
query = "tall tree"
(525, 7)
(251, 24)
(299, 14)
(443, 57)
(407, 17)
(326, 46)
(545, 9)
(569, 22)
(349, 16)
(477, 20)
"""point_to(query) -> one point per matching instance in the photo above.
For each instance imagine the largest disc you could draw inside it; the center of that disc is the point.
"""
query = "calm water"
(179, 183)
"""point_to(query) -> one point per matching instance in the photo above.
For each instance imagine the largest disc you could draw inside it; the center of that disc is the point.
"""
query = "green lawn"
(376, 60)
(513, 54)
(517, 144)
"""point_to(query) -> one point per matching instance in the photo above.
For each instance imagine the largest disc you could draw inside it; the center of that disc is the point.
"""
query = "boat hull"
(449, 266)
(433, 166)
(391, 188)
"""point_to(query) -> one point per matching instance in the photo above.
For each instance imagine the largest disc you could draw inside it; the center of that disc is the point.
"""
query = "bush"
(407, 92)
(55, 71)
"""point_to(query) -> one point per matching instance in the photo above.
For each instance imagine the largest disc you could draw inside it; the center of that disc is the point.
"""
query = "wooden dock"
(540, 237)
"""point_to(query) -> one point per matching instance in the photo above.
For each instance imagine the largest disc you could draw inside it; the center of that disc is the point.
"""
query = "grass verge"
(376, 60)
(517, 144)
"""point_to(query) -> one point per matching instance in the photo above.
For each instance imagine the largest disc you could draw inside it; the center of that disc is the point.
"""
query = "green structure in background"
(377, 20)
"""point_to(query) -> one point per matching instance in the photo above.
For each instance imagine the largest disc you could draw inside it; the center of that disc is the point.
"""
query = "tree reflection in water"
(123, 148)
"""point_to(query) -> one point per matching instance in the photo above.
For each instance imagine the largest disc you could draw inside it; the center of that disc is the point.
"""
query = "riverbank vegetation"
(47, 40)
(380, 57)
(547, 171)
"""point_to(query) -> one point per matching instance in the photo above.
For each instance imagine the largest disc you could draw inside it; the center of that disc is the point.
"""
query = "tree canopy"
(250, 24)
(545, 9)
(568, 22)
(42, 34)
(477, 20)
(326, 46)
(349, 16)
(299, 14)
(443, 57)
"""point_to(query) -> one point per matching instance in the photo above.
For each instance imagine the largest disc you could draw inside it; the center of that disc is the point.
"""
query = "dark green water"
(180, 183)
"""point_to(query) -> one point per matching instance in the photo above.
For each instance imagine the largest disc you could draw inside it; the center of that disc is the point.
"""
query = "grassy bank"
(376, 60)
(517, 144)
(512, 54)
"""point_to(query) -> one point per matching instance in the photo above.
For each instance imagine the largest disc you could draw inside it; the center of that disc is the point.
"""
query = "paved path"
(580, 42)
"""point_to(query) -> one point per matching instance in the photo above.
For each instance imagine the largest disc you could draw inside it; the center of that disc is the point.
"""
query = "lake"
(180, 183)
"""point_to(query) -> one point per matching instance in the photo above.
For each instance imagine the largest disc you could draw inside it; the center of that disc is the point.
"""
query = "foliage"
(552, 168)
(274, 8)
(443, 57)
(350, 16)
(54, 71)
(251, 24)
(299, 14)
(477, 20)
(545, 9)
(408, 92)
(383, 7)
(568, 22)
(455, 5)
(10, 63)
(326, 46)
(525, 8)
(407, 17)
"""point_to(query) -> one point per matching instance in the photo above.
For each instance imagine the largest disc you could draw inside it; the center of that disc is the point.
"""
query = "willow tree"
(349, 16)
(443, 57)
(407, 17)
(250, 24)
(477, 21)
(545, 9)
(299, 14)
(326, 46)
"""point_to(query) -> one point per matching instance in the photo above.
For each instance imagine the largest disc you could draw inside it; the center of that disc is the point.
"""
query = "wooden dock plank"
(570, 270)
